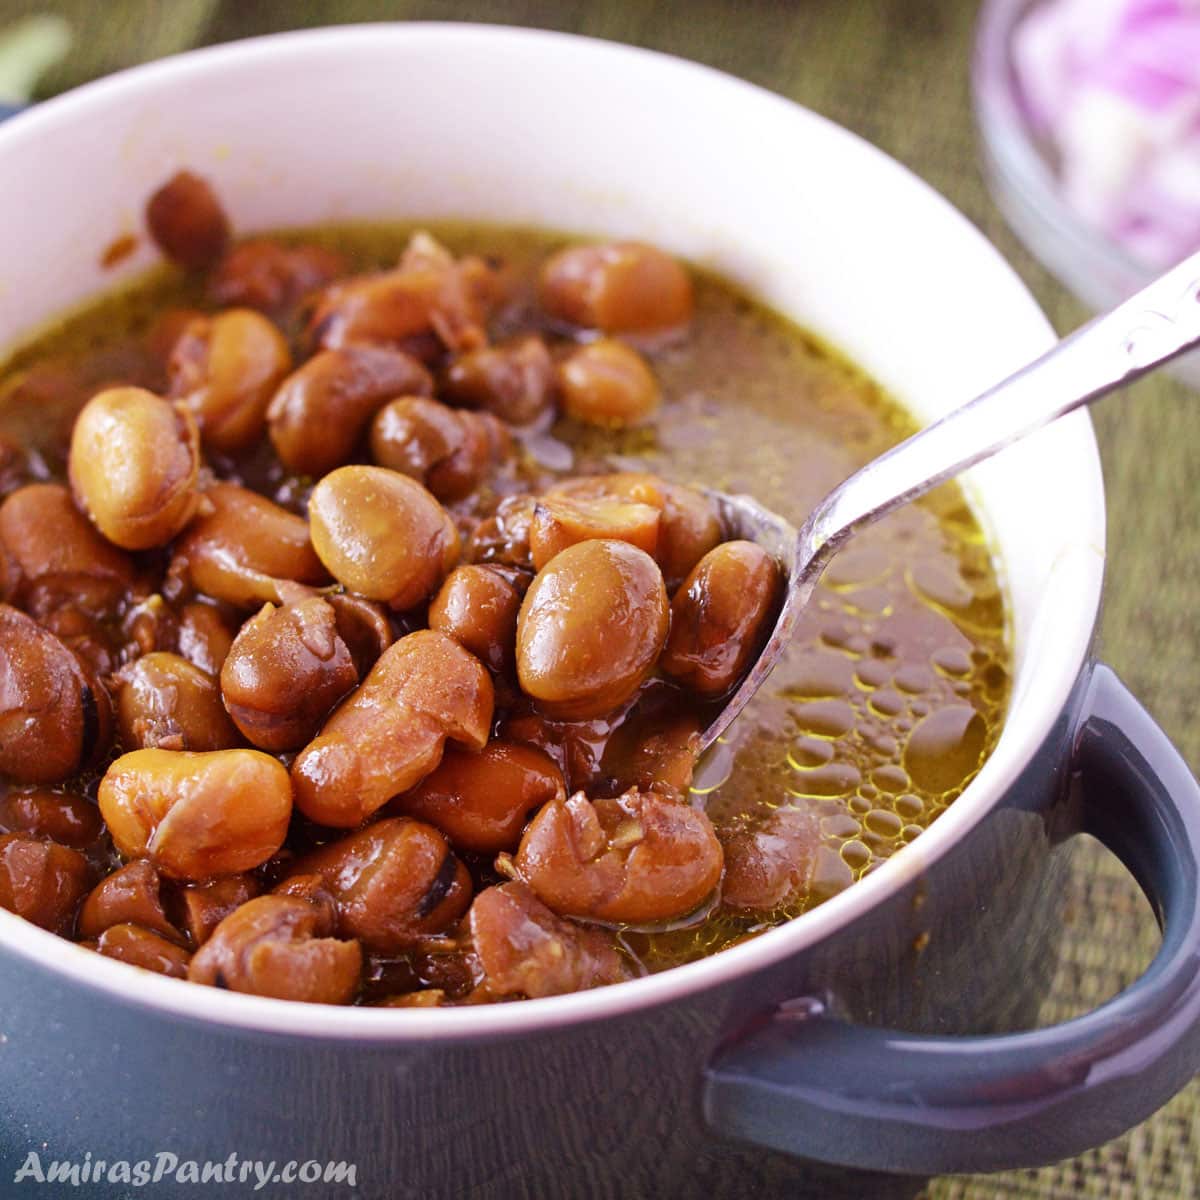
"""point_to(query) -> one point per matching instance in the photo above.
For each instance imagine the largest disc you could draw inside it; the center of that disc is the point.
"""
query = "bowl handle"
(877, 1099)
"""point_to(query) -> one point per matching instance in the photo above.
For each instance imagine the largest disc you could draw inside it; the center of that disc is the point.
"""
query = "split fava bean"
(197, 815)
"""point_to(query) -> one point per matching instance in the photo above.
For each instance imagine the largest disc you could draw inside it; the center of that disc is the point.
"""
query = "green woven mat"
(894, 71)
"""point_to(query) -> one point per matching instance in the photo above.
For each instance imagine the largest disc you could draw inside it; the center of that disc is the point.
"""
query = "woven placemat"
(894, 71)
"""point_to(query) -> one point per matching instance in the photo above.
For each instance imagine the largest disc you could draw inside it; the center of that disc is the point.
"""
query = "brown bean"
(131, 894)
(767, 866)
(280, 946)
(63, 817)
(609, 384)
(55, 717)
(364, 626)
(141, 948)
(524, 949)
(720, 617)
(390, 733)
(187, 221)
(197, 815)
(288, 667)
(245, 549)
(204, 906)
(620, 287)
(448, 451)
(382, 534)
(41, 881)
(481, 799)
(224, 369)
(392, 883)
(204, 636)
(477, 606)
(658, 754)
(133, 465)
(591, 628)
(504, 537)
(164, 701)
(321, 411)
(47, 539)
(271, 277)
(640, 858)
(514, 381)
(561, 521)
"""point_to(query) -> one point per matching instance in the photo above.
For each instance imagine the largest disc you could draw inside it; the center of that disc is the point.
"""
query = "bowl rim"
(239, 1012)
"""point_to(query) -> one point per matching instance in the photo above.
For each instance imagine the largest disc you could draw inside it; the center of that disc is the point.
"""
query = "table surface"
(894, 71)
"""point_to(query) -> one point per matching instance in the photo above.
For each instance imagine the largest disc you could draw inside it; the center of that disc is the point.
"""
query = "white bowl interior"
(535, 128)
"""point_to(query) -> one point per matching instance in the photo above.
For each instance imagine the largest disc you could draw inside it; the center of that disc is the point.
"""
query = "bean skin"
(638, 859)
(591, 628)
(142, 948)
(392, 883)
(42, 881)
(524, 949)
(609, 384)
(133, 465)
(55, 717)
(481, 800)
(224, 370)
(390, 733)
(477, 606)
(382, 535)
(364, 626)
(245, 549)
(132, 894)
(288, 667)
(321, 411)
(619, 287)
(197, 815)
(280, 946)
(513, 381)
(720, 617)
(187, 222)
(165, 702)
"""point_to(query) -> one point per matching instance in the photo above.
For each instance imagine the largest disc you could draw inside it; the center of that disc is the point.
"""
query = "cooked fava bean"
(561, 521)
(392, 883)
(55, 717)
(477, 606)
(768, 865)
(224, 369)
(321, 411)
(197, 815)
(390, 733)
(607, 383)
(245, 548)
(42, 881)
(481, 799)
(450, 452)
(62, 817)
(133, 466)
(288, 667)
(428, 293)
(363, 625)
(132, 894)
(524, 949)
(619, 287)
(163, 701)
(205, 905)
(204, 636)
(639, 858)
(187, 222)
(142, 948)
(591, 627)
(280, 946)
(514, 381)
(270, 276)
(720, 617)
(654, 754)
(46, 537)
(382, 534)
(504, 537)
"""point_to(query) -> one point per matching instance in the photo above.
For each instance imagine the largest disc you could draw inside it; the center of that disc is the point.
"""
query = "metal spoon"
(1159, 323)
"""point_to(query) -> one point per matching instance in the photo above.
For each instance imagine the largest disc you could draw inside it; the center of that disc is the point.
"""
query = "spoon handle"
(1151, 328)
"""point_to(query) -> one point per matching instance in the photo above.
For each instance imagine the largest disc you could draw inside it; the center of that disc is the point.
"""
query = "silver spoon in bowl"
(1156, 325)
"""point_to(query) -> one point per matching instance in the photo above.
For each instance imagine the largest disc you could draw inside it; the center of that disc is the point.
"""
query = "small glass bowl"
(1022, 175)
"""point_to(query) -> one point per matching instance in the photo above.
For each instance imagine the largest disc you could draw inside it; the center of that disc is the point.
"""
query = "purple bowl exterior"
(608, 1108)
